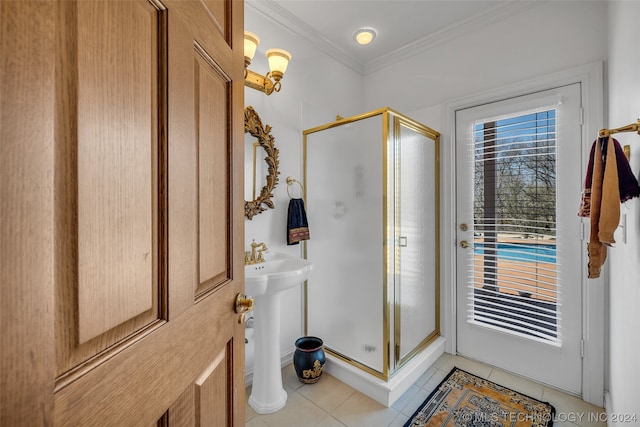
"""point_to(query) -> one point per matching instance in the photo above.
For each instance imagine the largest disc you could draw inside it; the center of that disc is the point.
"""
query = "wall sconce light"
(278, 61)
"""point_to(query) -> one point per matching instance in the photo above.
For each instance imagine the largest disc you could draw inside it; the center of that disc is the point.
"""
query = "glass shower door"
(417, 239)
(344, 199)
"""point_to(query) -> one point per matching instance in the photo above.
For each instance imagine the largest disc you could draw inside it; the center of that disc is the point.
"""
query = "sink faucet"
(255, 256)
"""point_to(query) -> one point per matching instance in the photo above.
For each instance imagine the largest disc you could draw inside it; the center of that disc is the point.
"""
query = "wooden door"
(121, 128)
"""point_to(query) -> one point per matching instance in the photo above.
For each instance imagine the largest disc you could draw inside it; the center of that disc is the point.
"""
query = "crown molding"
(281, 16)
(469, 25)
(287, 20)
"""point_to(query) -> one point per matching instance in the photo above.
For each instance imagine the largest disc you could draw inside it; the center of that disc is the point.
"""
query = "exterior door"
(122, 213)
(519, 290)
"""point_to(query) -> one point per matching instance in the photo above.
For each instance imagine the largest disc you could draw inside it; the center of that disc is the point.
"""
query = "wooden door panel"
(117, 52)
(139, 384)
(213, 140)
(122, 141)
(108, 183)
(182, 167)
(212, 389)
(225, 45)
(204, 403)
(219, 14)
(182, 412)
(201, 131)
(27, 228)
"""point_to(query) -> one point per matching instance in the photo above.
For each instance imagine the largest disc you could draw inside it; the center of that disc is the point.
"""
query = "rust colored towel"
(597, 251)
(610, 199)
(609, 182)
(627, 182)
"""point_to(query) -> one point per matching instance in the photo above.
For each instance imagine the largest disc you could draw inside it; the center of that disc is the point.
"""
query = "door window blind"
(514, 285)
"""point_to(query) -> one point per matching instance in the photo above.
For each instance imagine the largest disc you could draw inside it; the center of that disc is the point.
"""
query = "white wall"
(539, 39)
(315, 89)
(624, 261)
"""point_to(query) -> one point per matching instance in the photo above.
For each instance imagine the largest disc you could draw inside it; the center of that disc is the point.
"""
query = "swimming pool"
(521, 252)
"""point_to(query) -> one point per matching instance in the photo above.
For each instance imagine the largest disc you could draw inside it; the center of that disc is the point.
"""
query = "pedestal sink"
(265, 282)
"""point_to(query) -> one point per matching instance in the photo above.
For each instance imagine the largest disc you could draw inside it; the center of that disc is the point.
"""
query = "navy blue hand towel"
(297, 226)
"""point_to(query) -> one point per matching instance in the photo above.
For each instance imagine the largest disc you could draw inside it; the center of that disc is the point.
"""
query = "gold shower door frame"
(392, 121)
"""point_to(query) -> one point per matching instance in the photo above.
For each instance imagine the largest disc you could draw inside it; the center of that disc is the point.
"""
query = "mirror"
(254, 168)
(264, 158)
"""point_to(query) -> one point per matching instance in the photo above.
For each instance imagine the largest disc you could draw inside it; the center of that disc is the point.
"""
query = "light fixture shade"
(278, 60)
(251, 42)
(364, 35)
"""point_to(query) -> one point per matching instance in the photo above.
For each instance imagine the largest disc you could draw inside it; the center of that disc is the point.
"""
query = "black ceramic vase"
(308, 359)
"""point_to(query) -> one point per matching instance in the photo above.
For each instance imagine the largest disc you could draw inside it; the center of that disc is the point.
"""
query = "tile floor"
(331, 403)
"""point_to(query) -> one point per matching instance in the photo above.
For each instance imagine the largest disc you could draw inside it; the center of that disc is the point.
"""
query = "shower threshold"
(385, 392)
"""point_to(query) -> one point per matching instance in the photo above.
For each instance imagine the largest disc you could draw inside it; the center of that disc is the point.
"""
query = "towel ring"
(290, 182)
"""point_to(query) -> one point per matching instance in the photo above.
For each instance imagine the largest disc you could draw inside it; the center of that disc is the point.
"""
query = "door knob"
(243, 305)
(464, 244)
(464, 227)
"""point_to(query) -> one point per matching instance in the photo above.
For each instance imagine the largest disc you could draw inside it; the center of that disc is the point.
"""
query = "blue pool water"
(521, 252)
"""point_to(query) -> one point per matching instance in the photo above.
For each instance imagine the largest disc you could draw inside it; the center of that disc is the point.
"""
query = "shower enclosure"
(372, 198)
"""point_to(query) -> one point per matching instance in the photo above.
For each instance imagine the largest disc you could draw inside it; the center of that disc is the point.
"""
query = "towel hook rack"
(633, 127)
(290, 182)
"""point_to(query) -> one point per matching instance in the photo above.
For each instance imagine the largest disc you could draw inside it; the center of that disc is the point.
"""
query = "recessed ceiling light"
(364, 35)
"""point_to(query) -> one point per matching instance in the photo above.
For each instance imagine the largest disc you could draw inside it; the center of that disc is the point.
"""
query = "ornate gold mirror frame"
(253, 126)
